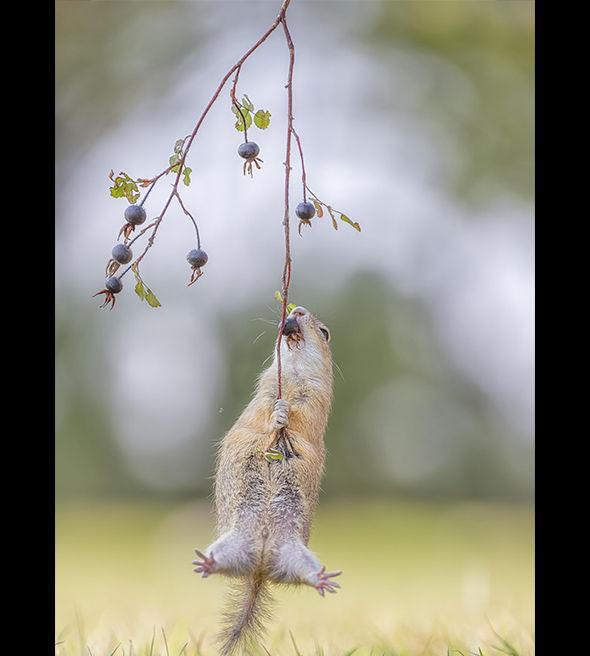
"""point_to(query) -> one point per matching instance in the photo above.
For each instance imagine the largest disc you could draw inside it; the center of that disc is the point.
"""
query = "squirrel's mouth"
(292, 331)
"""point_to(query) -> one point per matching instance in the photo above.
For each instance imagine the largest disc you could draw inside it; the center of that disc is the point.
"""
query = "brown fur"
(264, 509)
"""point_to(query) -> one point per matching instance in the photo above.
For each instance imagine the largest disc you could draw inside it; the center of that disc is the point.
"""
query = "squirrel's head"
(306, 334)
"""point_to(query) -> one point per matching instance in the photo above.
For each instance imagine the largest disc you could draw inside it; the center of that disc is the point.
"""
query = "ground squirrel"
(267, 482)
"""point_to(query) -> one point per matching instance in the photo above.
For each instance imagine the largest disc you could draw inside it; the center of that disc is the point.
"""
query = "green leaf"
(247, 103)
(240, 123)
(144, 293)
(262, 119)
(150, 297)
(178, 146)
(273, 455)
(140, 290)
(124, 187)
(173, 159)
(279, 298)
(354, 224)
(187, 175)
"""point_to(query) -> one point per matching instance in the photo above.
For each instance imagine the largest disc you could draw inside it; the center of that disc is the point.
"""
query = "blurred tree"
(87, 459)
(491, 47)
(99, 45)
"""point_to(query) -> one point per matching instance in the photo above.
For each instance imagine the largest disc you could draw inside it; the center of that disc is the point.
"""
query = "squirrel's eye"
(326, 333)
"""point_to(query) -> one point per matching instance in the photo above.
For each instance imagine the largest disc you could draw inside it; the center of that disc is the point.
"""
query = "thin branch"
(151, 225)
(279, 19)
(287, 266)
(321, 202)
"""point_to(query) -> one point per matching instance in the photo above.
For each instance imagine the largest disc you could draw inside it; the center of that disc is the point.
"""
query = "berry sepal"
(197, 258)
(249, 151)
(112, 286)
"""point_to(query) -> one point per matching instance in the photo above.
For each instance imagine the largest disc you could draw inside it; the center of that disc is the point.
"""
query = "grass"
(419, 580)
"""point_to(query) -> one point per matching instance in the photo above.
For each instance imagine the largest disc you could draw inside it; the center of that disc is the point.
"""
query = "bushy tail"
(248, 606)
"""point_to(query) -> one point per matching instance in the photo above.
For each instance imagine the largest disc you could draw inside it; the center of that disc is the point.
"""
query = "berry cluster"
(135, 215)
(246, 115)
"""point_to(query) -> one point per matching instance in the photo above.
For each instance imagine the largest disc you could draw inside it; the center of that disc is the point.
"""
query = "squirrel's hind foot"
(206, 564)
(324, 583)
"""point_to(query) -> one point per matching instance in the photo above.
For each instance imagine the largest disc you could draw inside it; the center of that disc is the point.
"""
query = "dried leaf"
(334, 222)
(318, 209)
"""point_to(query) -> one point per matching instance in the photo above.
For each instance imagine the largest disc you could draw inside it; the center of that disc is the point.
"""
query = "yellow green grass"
(419, 579)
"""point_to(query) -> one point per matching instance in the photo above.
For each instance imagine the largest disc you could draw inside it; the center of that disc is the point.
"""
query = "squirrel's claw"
(205, 565)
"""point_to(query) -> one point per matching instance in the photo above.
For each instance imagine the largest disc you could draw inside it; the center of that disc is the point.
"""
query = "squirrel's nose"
(298, 312)
(291, 326)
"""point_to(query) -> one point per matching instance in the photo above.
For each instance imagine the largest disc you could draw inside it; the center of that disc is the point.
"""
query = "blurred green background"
(417, 120)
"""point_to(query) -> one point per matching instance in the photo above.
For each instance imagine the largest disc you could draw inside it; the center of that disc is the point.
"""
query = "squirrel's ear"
(326, 333)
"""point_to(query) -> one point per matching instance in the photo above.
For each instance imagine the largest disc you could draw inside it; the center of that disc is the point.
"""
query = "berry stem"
(179, 199)
(303, 176)
(148, 192)
(232, 94)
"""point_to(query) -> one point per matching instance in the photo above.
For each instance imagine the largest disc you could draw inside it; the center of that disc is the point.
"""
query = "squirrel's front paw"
(280, 415)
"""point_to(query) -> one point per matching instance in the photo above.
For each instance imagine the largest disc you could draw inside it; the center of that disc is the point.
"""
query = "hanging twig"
(287, 265)
(124, 185)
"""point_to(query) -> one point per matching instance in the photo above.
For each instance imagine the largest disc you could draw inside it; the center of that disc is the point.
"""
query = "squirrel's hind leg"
(295, 563)
(230, 554)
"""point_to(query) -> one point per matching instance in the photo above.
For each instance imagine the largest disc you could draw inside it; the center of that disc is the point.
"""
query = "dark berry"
(135, 214)
(197, 258)
(305, 211)
(248, 150)
(113, 285)
(122, 254)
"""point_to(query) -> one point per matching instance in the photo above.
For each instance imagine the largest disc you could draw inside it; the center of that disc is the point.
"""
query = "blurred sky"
(416, 120)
